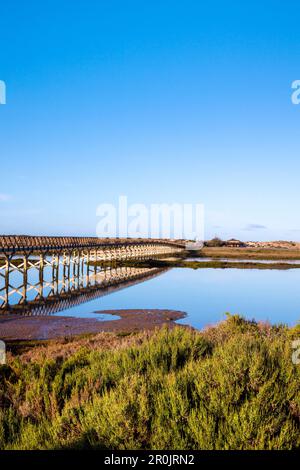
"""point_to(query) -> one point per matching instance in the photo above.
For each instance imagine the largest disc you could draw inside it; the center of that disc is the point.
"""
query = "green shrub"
(229, 387)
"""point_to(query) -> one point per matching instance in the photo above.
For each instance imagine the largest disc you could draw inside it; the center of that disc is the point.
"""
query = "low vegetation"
(233, 386)
(214, 242)
(250, 253)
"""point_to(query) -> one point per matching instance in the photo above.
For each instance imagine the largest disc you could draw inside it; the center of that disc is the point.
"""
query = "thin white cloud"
(250, 227)
(4, 197)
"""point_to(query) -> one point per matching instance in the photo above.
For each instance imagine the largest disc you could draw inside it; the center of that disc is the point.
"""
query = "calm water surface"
(205, 295)
(236, 260)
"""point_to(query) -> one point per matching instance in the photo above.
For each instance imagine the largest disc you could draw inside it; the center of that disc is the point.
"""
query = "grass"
(251, 253)
(232, 386)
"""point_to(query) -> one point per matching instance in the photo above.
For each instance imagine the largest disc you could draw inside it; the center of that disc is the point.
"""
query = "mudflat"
(17, 327)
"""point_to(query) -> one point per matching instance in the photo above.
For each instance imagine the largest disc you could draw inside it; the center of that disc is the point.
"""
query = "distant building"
(233, 243)
(251, 244)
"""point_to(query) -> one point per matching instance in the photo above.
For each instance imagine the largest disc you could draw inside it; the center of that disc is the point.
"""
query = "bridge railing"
(22, 243)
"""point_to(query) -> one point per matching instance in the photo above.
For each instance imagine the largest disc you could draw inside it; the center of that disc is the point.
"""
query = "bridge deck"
(23, 243)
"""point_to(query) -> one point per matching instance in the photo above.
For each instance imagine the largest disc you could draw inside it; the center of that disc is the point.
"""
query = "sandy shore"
(18, 327)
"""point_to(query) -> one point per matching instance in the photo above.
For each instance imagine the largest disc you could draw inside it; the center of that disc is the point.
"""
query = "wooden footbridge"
(33, 269)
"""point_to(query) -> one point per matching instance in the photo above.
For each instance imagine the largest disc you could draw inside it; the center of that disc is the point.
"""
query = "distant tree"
(214, 242)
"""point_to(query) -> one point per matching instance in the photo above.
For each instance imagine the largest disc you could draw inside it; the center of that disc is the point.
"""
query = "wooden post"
(25, 279)
(41, 276)
(7, 271)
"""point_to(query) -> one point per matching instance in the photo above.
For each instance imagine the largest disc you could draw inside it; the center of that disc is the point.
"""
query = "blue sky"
(162, 101)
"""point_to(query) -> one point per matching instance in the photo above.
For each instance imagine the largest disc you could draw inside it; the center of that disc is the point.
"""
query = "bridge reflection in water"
(47, 277)
(75, 291)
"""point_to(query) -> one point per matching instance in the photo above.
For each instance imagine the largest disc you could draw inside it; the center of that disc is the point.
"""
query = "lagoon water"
(207, 294)
(242, 260)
